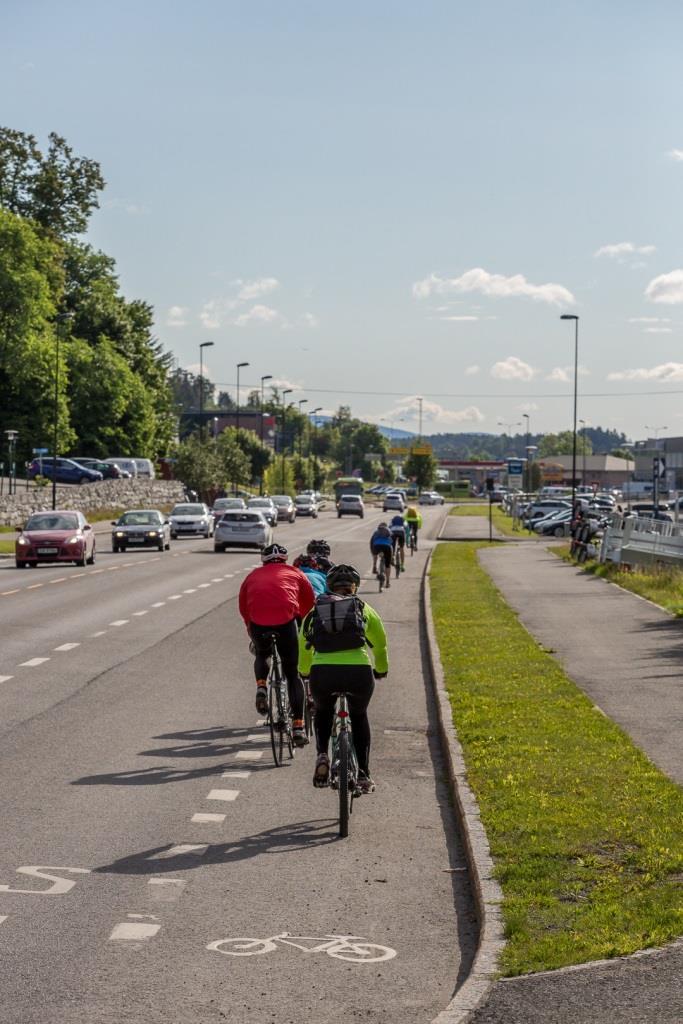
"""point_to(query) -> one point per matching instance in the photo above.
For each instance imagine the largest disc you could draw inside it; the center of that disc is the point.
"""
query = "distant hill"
(497, 446)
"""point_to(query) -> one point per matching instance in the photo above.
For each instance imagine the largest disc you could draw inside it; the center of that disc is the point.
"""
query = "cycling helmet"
(274, 553)
(318, 547)
(305, 562)
(341, 574)
(411, 512)
(323, 563)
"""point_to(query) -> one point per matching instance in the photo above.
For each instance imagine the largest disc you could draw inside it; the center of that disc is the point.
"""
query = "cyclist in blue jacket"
(313, 573)
(380, 546)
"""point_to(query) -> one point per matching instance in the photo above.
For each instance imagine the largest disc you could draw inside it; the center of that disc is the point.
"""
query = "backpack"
(382, 531)
(336, 624)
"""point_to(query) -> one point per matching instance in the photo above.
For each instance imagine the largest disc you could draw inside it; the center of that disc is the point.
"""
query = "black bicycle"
(383, 568)
(413, 540)
(398, 555)
(279, 712)
(344, 766)
(309, 707)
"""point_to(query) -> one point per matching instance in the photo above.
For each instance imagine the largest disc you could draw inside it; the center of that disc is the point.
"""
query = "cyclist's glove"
(379, 675)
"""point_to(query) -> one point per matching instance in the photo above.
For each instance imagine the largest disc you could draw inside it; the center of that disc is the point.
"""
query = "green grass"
(586, 834)
(501, 521)
(662, 585)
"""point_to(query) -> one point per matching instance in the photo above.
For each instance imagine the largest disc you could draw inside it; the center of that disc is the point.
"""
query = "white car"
(350, 505)
(306, 505)
(191, 518)
(242, 529)
(430, 498)
(393, 501)
(267, 507)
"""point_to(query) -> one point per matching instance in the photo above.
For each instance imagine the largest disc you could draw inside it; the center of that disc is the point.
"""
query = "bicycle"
(309, 707)
(279, 713)
(339, 947)
(382, 570)
(413, 541)
(344, 764)
(398, 553)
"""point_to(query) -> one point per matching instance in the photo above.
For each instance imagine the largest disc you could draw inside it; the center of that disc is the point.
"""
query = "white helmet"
(274, 553)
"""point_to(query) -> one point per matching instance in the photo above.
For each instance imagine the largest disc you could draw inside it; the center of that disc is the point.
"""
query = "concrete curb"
(487, 893)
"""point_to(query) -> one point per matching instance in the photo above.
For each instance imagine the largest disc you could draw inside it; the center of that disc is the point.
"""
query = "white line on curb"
(132, 931)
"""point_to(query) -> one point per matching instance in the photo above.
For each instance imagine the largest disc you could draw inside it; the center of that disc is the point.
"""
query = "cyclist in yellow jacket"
(414, 521)
(348, 668)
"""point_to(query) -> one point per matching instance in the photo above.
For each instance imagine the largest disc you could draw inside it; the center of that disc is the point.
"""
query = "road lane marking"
(33, 662)
(228, 576)
(134, 931)
(66, 647)
(94, 572)
(235, 775)
(113, 568)
(202, 586)
(249, 755)
(3, 917)
(192, 590)
(34, 586)
(100, 632)
(5, 593)
(216, 579)
(158, 604)
(119, 622)
(77, 574)
(5, 679)
(207, 818)
(255, 737)
(60, 579)
(223, 794)
(175, 597)
(141, 613)
(196, 849)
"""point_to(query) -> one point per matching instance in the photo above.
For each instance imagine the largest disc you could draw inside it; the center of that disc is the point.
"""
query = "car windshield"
(140, 519)
(188, 510)
(52, 521)
(260, 503)
(281, 499)
(241, 517)
(228, 503)
(304, 499)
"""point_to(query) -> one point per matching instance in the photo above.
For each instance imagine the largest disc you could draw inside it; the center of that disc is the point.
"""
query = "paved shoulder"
(625, 653)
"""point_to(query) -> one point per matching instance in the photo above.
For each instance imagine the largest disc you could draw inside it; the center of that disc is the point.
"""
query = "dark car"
(108, 470)
(67, 471)
(58, 536)
(146, 527)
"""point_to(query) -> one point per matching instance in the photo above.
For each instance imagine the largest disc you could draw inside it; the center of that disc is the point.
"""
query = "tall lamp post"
(525, 416)
(287, 391)
(530, 449)
(311, 414)
(61, 318)
(12, 436)
(239, 367)
(655, 467)
(302, 401)
(204, 344)
(264, 378)
(574, 317)
(583, 452)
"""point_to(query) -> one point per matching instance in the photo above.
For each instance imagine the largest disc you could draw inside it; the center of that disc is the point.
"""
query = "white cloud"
(495, 285)
(657, 330)
(676, 154)
(310, 320)
(666, 289)
(458, 318)
(177, 316)
(665, 372)
(212, 313)
(565, 374)
(283, 382)
(261, 315)
(528, 407)
(513, 368)
(432, 413)
(249, 290)
(620, 249)
(649, 320)
(472, 371)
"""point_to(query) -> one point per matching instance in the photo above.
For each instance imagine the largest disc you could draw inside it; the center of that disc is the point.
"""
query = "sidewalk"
(627, 655)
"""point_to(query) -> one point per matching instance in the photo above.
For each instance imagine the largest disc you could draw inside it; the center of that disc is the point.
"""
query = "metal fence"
(642, 542)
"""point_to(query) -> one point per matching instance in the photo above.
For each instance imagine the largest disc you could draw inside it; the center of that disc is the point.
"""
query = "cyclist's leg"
(387, 563)
(322, 691)
(402, 549)
(260, 636)
(359, 683)
(288, 649)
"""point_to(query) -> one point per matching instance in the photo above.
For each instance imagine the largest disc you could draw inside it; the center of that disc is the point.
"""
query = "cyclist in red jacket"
(272, 600)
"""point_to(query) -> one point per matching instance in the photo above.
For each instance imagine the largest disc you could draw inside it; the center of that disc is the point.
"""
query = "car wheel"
(339, 515)
(82, 561)
(83, 480)
(91, 560)
(559, 531)
(174, 536)
(219, 548)
(20, 564)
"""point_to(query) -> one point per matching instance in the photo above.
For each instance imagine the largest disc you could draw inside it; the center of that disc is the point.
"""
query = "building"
(668, 448)
(600, 471)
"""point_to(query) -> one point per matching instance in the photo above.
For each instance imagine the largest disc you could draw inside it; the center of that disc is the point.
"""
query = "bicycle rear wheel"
(286, 712)
(308, 709)
(277, 738)
(343, 779)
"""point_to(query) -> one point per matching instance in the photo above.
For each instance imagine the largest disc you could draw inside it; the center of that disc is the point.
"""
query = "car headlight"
(153, 533)
(74, 540)
(23, 541)
(120, 533)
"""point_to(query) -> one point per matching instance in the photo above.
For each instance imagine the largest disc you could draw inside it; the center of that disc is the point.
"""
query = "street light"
(302, 401)
(574, 317)
(203, 345)
(287, 391)
(530, 449)
(583, 447)
(656, 431)
(502, 423)
(12, 436)
(239, 366)
(61, 318)
(266, 376)
(525, 416)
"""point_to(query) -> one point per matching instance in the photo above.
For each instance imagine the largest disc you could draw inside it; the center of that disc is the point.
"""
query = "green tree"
(421, 469)
(234, 461)
(275, 481)
(561, 444)
(199, 466)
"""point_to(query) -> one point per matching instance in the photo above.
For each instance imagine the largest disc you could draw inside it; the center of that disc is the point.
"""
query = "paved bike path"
(627, 655)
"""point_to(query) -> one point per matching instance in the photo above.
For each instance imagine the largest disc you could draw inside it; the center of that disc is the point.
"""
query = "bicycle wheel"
(398, 561)
(380, 572)
(286, 719)
(308, 709)
(274, 720)
(343, 781)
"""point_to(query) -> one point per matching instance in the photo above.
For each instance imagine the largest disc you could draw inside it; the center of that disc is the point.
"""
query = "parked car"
(58, 536)
(306, 505)
(223, 505)
(350, 505)
(539, 508)
(191, 518)
(430, 498)
(63, 471)
(145, 468)
(556, 524)
(393, 501)
(242, 528)
(130, 465)
(141, 528)
(108, 470)
(285, 507)
(266, 506)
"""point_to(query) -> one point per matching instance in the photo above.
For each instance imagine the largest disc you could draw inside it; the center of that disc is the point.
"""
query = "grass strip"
(586, 833)
(501, 521)
(663, 585)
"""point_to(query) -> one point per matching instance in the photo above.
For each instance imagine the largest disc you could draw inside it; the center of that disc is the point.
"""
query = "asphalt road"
(144, 821)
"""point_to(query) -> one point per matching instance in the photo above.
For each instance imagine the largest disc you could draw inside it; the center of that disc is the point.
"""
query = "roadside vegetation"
(586, 834)
(663, 586)
(501, 521)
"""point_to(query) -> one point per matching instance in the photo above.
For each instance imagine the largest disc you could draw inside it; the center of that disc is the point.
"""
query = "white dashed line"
(158, 604)
(175, 597)
(134, 931)
(5, 679)
(141, 613)
(60, 579)
(235, 775)
(3, 917)
(217, 579)
(206, 818)
(100, 632)
(197, 849)
(248, 755)
(192, 590)
(119, 622)
(76, 575)
(66, 647)
(255, 737)
(223, 794)
(202, 586)
(94, 572)
(113, 568)
(33, 662)
(6, 593)
(34, 586)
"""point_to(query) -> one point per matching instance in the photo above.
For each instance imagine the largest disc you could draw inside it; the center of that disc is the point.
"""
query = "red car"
(58, 536)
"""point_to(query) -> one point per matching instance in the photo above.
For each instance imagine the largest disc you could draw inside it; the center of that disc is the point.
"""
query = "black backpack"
(335, 624)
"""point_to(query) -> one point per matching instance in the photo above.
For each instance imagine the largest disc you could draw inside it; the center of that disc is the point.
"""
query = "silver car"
(191, 518)
(266, 506)
(306, 505)
(242, 529)
(222, 505)
(145, 527)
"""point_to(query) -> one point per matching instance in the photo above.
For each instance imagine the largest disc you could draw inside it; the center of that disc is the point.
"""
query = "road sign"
(40, 451)
(515, 467)
(399, 451)
(423, 449)
(373, 455)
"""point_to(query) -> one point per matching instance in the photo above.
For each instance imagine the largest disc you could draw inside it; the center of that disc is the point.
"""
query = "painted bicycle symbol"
(353, 948)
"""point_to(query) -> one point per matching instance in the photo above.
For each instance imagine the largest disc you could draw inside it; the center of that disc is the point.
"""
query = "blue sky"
(379, 201)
